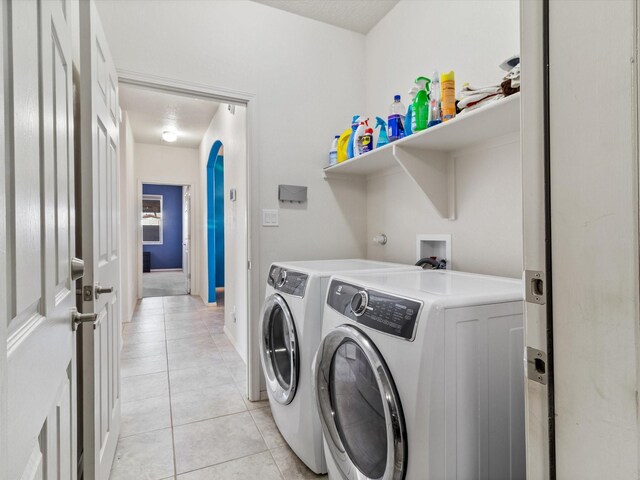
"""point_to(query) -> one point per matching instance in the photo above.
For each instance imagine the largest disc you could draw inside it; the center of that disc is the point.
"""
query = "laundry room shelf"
(427, 156)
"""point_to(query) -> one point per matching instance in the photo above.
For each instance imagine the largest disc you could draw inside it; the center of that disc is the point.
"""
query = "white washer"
(420, 376)
(290, 329)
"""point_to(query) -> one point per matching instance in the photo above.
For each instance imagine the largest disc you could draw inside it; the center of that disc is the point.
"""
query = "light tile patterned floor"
(184, 411)
(160, 284)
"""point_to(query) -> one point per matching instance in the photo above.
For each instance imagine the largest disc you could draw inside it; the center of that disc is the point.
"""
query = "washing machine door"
(359, 407)
(279, 349)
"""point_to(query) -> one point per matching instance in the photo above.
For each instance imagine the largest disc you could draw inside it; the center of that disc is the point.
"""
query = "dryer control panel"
(384, 312)
(287, 281)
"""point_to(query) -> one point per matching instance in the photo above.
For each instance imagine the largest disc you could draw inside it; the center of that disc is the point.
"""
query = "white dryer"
(290, 331)
(420, 376)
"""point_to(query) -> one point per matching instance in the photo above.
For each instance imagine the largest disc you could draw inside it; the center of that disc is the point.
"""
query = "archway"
(215, 219)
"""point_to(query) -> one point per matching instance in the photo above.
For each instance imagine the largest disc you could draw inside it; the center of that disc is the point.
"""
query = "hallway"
(184, 412)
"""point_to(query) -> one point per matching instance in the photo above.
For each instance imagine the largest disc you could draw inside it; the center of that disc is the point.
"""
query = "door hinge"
(534, 283)
(537, 365)
(87, 293)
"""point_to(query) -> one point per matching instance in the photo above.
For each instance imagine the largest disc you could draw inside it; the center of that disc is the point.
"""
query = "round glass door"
(279, 349)
(359, 407)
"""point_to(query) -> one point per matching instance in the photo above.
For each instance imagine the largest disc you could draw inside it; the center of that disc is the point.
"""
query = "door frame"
(4, 277)
(139, 245)
(252, 213)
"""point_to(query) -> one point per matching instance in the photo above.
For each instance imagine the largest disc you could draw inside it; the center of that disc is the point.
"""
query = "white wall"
(129, 221)
(471, 38)
(164, 165)
(307, 77)
(231, 130)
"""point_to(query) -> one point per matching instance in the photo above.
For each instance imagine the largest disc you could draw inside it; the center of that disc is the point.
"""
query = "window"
(152, 219)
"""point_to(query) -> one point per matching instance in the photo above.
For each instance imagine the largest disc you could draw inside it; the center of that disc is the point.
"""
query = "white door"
(186, 236)
(40, 393)
(532, 137)
(99, 117)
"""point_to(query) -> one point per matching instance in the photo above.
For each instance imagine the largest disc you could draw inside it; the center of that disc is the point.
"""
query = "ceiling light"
(169, 136)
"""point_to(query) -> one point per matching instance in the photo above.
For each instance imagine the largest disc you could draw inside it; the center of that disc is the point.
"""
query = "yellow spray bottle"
(448, 98)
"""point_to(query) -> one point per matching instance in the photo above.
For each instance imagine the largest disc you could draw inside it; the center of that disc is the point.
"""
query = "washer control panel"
(386, 313)
(287, 281)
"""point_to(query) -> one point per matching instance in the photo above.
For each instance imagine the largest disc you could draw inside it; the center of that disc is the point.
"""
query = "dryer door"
(279, 349)
(359, 407)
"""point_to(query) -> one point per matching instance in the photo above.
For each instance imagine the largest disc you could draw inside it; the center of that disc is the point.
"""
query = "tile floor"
(161, 284)
(184, 412)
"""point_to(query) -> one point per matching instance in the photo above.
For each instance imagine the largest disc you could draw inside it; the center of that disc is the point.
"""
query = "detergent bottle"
(421, 103)
(354, 125)
(383, 138)
(360, 133)
(333, 153)
(396, 119)
(410, 118)
(343, 143)
(435, 115)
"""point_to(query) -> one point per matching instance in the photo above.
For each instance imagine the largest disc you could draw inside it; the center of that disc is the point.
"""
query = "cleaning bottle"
(333, 153)
(354, 125)
(409, 119)
(343, 143)
(383, 138)
(396, 119)
(358, 138)
(365, 142)
(435, 116)
(448, 99)
(421, 103)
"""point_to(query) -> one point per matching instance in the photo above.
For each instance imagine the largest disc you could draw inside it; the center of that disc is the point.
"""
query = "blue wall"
(169, 254)
(215, 219)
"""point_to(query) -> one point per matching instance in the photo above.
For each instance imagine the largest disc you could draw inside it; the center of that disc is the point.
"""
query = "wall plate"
(269, 218)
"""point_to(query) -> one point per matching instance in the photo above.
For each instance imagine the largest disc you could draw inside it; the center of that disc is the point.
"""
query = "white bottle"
(333, 153)
(358, 134)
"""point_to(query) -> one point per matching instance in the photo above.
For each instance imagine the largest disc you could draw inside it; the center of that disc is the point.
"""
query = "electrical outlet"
(269, 218)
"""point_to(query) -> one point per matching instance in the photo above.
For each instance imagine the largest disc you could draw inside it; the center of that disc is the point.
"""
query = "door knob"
(77, 269)
(99, 290)
(77, 318)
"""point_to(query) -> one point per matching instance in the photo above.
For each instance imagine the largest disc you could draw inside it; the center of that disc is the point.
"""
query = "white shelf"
(424, 155)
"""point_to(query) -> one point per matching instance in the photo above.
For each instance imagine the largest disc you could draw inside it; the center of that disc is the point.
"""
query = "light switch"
(269, 218)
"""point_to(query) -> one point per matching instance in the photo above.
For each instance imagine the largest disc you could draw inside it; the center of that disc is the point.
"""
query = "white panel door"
(186, 233)
(39, 292)
(99, 117)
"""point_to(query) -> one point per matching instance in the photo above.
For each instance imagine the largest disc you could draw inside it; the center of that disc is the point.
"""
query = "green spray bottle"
(421, 103)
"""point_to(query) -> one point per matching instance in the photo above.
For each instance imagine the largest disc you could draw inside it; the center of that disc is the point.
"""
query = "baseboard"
(166, 270)
(231, 338)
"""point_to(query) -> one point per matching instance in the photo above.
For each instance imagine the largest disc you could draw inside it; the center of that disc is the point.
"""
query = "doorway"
(215, 223)
(164, 240)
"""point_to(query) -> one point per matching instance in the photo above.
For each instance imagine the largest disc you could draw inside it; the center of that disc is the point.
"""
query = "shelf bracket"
(434, 173)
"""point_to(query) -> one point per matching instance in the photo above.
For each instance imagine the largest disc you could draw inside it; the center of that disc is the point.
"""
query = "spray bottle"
(421, 103)
(354, 126)
(410, 119)
(383, 138)
(435, 115)
(360, 133)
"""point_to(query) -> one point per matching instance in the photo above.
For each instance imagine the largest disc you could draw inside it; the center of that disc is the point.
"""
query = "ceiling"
(151, 112)
(356, 15)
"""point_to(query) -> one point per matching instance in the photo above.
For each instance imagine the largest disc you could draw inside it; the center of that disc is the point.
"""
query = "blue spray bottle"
(409, 119)
(383, 138)
(354, 126)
